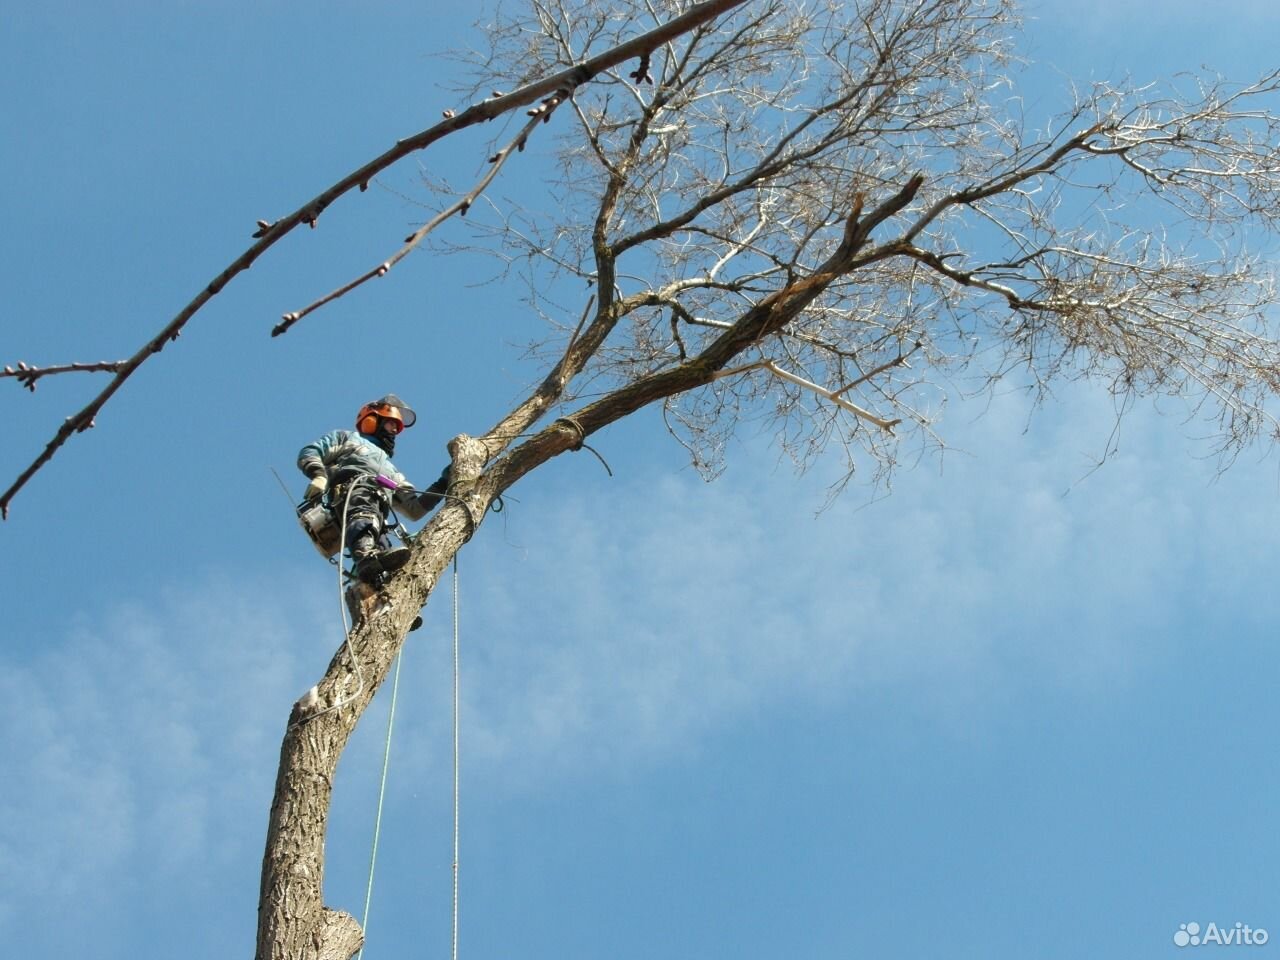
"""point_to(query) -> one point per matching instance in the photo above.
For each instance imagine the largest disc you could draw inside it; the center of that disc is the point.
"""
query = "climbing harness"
(341, 528)
(321, 525)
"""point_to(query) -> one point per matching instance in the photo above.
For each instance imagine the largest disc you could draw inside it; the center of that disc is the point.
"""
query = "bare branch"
(540, 114)
(900, 107)
(899, 361)
(1004, 183)
(833, 396)
(27, 375)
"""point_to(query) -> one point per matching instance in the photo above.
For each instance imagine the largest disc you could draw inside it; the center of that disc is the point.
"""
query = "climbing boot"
(370, 563)
(371, 568)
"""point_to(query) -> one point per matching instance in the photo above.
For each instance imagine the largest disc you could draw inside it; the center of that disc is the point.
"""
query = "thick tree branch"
(1002, 184)
(770, 315)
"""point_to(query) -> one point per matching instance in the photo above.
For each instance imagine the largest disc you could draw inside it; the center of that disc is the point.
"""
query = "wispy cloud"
(649, 615)
(640, 621)
(141, 746)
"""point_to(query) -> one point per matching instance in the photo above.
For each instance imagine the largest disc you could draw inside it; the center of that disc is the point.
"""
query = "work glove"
(316, 488)
(428, 498)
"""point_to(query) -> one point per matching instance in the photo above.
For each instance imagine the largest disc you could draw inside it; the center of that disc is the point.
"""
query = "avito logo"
(1190, 935)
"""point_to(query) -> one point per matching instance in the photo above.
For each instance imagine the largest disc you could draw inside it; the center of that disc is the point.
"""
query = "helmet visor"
(403, 411)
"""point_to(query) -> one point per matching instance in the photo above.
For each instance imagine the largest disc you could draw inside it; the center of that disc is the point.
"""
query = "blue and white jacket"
(343, 455)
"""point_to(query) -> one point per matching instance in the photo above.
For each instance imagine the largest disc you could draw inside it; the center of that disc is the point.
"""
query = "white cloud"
(657, 611)
(141, 747)
(638, 621)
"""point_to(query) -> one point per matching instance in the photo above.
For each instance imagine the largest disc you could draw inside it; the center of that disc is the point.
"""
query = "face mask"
(386, 440)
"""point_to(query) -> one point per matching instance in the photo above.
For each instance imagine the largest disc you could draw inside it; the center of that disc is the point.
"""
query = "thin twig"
(27, 375)
(777, 371)
(899, 361)
(539, 114)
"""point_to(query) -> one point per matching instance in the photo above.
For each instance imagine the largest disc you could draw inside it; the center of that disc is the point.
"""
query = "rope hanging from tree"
(386, 762)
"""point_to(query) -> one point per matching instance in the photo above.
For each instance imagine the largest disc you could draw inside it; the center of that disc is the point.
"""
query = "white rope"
(382, 790)
(455, 756)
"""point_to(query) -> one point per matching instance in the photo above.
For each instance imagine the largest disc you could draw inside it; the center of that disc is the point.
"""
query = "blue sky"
(1016, 708)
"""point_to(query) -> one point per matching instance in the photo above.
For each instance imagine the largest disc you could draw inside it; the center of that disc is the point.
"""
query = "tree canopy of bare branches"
(855, 195)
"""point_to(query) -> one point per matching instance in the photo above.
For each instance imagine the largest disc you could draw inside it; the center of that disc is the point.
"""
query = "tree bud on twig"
(447, 114)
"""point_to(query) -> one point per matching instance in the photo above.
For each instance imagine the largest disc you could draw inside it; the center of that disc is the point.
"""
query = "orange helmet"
(390, 408)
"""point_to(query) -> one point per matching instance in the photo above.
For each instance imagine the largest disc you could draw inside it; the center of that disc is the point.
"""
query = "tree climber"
(355, 468)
